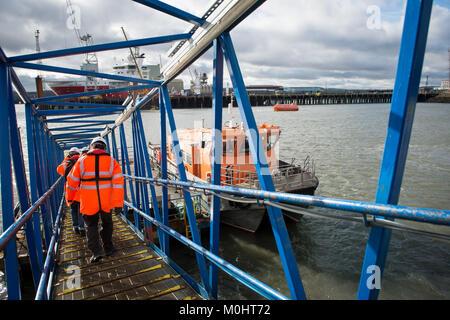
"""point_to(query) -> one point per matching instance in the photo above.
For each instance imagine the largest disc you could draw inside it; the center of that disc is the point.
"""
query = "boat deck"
(133, 272)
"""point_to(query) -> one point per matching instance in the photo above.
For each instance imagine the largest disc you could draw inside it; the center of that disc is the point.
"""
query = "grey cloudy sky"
(334, 43)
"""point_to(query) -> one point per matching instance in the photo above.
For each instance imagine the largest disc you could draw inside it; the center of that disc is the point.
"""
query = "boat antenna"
(132, 54)
(38, 50)
(38, 80)
(38, 47)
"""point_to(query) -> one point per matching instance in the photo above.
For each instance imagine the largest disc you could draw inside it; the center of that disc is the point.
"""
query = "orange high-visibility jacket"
(61, 169)
(100, 181)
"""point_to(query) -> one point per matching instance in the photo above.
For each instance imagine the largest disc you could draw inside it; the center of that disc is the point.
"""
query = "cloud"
(285, 42)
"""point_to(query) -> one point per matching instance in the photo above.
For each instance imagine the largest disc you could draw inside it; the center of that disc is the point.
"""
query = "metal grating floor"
(133, 272)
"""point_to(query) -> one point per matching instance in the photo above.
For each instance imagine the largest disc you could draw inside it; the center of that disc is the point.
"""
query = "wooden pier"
(133, 272)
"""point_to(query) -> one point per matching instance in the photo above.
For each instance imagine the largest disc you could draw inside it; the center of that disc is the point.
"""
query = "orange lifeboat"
(285, 107)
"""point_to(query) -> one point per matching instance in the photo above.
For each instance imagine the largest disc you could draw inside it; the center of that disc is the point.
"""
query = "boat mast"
(38, 80)
(135, 62)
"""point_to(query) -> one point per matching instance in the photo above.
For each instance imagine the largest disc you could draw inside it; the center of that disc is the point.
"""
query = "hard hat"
(85, 149)
(74, 150)
(98, 139)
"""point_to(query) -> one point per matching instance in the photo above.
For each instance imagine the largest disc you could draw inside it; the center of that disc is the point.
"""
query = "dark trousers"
(77, 220)
(93, 235)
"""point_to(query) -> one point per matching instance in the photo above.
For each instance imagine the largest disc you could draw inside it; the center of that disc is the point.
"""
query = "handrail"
(12, 230)
(435, 216)
(40, 291)
(227, 267)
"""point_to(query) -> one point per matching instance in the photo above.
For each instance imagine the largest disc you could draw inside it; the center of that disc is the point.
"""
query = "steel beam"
(6, 185)
(227, 267)
(58, 112)
(165, 194)
(126, 160)
(173, 11)
(81, 104)
(35, 66)
(259, 159)
(72, 119)
(75, 135)
(186, 194)
(148, 168)
(22, 187)
(90, 93)
(220, 20)
(404, 98)
(78, 127)
(99, 47)
(32, 171)
(217, 101)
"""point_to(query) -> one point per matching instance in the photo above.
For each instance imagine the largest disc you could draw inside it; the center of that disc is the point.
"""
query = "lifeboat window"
(229, 146)
(187, 157)
(271, 141)
(245, 147)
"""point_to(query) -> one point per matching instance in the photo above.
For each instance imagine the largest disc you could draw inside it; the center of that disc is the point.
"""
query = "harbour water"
(346, 143)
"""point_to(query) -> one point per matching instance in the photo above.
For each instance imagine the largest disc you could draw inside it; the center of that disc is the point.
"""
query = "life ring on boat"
(275, 173)
(158, 156)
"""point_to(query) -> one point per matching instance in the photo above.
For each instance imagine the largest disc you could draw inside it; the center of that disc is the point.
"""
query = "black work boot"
(95, 258)
(110, 251)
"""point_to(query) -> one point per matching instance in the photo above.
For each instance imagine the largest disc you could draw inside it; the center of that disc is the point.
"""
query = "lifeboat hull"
(285, 107)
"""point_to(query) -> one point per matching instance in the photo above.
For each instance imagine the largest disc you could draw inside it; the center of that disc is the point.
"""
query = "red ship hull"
(63, 90)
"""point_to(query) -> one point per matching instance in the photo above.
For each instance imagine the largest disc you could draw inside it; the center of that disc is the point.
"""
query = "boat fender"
(275, 173)
(158, 156)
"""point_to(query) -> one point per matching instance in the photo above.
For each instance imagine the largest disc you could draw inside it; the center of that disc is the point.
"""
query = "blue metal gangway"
(40, 189)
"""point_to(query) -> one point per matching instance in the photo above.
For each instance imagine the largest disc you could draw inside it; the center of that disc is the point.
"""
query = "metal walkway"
(133, 272)
(59, 260)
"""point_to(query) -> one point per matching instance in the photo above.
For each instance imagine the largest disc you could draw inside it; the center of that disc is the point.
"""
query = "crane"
(91, 61)
(83, 40)
(132, 54)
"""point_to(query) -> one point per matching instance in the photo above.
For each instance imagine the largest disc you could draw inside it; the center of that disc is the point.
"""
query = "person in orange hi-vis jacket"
(64, 169)
(100, 181)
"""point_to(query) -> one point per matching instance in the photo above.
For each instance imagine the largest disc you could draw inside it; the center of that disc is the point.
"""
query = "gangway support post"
(146, 158)
(165, 192)
(404, 98)
(32, 166)
(126, 162)
(186, 194)
(216, 161)
(259, 159)
(6, 183)
(22, 189)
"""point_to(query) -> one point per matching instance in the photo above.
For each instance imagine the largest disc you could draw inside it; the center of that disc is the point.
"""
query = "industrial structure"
(41, 190)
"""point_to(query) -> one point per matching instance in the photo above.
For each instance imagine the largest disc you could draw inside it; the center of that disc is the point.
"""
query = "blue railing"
(46, 146)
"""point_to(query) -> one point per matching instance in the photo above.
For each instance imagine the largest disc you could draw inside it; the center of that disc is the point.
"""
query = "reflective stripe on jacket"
(100, 181)
(61, 169)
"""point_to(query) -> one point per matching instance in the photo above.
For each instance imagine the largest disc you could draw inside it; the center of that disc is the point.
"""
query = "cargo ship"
(238, 169)
(127, 67)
